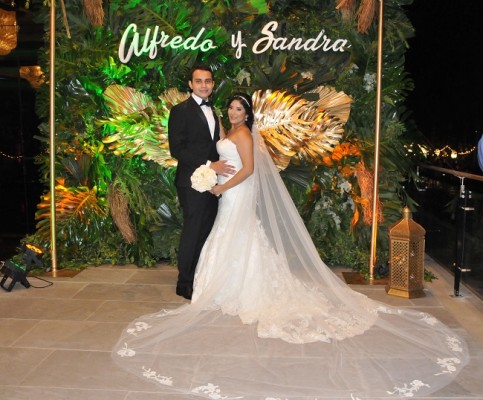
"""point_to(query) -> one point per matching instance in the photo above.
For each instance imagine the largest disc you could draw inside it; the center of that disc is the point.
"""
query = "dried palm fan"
(347, 8)
(365, 179)
(366, 12)
(293, 126)
(120, 213)
(94, 12)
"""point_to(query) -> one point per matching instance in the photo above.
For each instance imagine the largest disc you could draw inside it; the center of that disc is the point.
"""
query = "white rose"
(203, 179)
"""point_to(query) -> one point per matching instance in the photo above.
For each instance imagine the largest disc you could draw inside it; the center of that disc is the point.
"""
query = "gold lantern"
(406, 258)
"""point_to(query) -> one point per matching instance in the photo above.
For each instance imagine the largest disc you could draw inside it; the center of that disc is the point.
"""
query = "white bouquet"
(203, 179)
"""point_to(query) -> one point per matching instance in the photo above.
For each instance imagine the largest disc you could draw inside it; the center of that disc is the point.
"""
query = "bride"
(269, 320)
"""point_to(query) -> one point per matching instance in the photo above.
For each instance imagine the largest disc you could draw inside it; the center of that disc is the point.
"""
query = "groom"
(193, 131)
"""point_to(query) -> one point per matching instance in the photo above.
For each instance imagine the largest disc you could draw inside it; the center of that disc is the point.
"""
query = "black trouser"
(199, 213)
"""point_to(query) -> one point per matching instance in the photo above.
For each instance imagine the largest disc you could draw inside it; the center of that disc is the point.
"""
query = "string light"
(10, 157)
(448, 150)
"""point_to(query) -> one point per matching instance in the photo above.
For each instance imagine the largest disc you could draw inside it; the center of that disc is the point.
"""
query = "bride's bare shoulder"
(241, 134)
(245, 133)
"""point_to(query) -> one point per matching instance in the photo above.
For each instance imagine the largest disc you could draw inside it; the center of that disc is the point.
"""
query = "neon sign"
(158, 39)
(154, 39)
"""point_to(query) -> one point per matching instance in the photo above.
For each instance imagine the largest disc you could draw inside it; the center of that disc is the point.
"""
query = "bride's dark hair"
(246, 102)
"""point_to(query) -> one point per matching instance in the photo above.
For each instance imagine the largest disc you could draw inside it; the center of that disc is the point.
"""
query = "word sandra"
(151, 42)
(157, 39)
(281, 43)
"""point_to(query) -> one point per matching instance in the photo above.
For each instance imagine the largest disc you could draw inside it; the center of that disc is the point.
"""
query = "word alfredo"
(155, 39)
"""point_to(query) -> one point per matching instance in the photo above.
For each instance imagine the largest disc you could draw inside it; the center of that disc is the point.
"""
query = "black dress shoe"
(184, 291)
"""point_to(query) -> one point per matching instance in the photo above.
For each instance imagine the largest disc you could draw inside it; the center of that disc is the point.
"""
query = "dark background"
(20, 187)
(443, 61)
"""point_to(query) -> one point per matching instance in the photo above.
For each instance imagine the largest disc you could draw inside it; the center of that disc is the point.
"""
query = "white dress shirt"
(208, 114)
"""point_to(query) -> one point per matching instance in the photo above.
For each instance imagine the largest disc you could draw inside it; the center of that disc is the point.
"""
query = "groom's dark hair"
(203, 67)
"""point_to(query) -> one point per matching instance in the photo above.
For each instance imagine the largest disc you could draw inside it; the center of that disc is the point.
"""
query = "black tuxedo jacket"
(190, 139)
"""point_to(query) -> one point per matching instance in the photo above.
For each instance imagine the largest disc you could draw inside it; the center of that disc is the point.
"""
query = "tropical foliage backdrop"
(115, 198)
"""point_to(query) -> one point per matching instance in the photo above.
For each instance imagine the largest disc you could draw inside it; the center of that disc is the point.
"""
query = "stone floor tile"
(16, 364)
(109, 275)
(54, 393)
(382, 296)
(441, 314)
(158, 277)
(11, 329)
(57, 340)
(58, 290)
(124, 292)
(72, 335)
(127, 311)
(161, 396)
(84, 369)
(471, 378)
(116, 267)
(44, 308)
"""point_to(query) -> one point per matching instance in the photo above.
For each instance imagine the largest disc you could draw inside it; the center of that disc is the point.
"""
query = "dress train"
(269, 320)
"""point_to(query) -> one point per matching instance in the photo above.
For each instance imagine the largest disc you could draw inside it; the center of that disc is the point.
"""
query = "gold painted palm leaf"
(337, 104)
(291, 125)
(81, 204)
(172, 97)
(126, 100)
(140, 126)
(294, 126)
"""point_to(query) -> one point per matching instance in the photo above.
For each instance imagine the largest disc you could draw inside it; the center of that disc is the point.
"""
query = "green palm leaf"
(140, 126)
(73, 206)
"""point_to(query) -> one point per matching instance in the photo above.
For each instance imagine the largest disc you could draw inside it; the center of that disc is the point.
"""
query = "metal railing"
(451, 211)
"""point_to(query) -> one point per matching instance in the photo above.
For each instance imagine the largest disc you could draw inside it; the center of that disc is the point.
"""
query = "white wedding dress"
(269, 320)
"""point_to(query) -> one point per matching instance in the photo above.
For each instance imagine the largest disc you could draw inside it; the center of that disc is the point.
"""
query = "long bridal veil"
(269, 320)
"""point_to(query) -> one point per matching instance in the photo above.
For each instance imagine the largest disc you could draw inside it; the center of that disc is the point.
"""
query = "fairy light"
(449, 151)
(10, 157)
(445, 151)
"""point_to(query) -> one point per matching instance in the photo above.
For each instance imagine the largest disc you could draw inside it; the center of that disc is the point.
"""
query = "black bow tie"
(205, 103)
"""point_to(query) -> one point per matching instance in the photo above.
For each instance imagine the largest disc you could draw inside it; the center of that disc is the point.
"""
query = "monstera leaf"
(294, 126)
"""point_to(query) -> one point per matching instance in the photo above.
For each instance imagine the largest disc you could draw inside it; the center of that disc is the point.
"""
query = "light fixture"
(33, 74)
(14, 272)
(8, 31)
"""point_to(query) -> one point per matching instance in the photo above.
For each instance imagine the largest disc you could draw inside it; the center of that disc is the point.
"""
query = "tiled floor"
(55, 342)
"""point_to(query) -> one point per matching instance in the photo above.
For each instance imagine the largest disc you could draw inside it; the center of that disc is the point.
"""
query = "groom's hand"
(222, 168)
